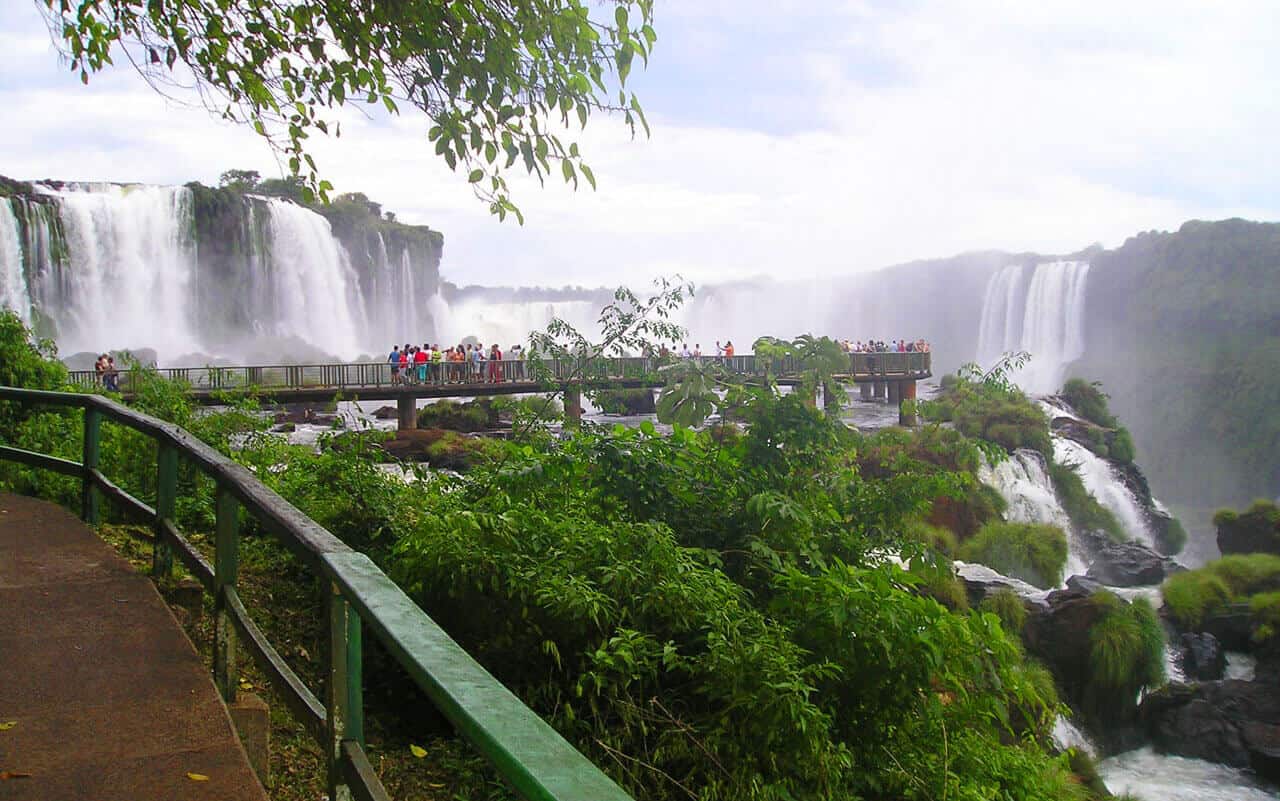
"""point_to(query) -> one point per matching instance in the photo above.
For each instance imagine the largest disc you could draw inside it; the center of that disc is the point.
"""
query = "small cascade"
(1046, 319)
(1101, 482)
(1067, 735)
(1148, 776)
(1024, 483)
(13, 282)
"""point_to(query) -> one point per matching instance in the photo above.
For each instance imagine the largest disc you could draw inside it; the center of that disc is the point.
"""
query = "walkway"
(107, 698)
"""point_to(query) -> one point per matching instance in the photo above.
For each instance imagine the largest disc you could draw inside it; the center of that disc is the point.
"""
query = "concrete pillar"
(907, 404)
(407, 412)
(572, 406)
(878, 389)
(864, 391)
(895, 392)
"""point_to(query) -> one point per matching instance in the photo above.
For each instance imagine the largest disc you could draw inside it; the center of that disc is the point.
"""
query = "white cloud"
(1040, 126)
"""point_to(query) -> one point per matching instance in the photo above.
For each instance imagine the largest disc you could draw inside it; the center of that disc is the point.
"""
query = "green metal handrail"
(525, 750)
(367, 375)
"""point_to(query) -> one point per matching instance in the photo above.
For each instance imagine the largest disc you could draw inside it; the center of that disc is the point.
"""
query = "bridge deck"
(107, 697)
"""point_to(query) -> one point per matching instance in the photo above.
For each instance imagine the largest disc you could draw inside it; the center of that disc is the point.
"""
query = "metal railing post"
(166, 505)
(226, 566)
(90, 498)
(344, 702)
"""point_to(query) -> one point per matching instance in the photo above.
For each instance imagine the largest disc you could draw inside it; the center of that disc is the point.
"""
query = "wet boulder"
(1203, 657)
(1127, 564)
(1235, 723)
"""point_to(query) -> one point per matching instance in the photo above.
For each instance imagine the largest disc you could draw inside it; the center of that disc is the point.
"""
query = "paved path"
(109, 700)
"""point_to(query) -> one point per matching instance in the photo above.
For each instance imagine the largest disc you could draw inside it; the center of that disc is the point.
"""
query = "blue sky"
(789, 138)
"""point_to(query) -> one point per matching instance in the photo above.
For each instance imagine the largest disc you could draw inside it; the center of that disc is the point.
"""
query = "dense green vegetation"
(1180, 329)
(703, 613)
(1033, 552)
(1008, 606)
(1251, 579)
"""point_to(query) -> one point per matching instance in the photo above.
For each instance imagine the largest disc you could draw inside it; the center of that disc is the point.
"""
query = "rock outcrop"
(1235, 723)
(1203, 657)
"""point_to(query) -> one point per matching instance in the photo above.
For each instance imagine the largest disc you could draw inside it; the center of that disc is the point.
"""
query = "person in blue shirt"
(394, 361)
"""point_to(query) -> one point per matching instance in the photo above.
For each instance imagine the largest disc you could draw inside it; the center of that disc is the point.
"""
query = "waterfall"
(1046, 320)
(1024, 483)
(13, 282)
(129, 263)
(316, 291)
(1101, 482)
(508, 323)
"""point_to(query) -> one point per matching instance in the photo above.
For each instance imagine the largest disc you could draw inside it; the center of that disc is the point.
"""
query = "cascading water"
(1101, 482)
(316, 293)
(1024, 483)
(129, 263)
(508, 323)
(1047, 320)
(13, 283)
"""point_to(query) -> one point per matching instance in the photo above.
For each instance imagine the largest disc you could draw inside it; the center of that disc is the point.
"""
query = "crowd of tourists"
(880, 346)
(460, 364)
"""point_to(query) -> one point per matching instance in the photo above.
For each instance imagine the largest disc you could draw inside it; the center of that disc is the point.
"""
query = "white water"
(13, 284)
(1046, 320)
(1101, 482)
(1067, 735)
(315, 292)
(1150, 776)
(130, 262)
(1024, 483)
(509, 323)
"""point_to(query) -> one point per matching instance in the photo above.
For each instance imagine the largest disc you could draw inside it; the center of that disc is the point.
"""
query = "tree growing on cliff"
(498, 80)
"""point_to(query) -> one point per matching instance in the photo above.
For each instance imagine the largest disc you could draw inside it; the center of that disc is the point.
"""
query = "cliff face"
(1183, 330)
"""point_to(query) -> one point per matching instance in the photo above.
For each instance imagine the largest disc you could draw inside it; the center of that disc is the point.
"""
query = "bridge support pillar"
(907, 403)
(864, 391)
(878, 389)
(572, 406)
(407, 412)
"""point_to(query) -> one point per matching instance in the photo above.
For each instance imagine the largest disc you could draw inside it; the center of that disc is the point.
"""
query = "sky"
(789, 138)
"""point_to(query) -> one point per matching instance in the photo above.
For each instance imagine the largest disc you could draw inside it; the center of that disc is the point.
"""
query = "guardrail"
(364, 375)
(524, 749)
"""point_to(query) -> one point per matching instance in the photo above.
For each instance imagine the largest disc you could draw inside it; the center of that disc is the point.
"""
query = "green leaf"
(475, 176)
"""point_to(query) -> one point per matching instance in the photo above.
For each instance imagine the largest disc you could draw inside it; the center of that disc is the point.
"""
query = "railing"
(366, 375)
(524, 749)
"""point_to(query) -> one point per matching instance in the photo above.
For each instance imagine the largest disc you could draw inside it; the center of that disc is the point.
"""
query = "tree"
(499, 80)
(239, 180)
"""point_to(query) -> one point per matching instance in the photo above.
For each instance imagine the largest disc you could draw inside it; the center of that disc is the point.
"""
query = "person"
(404, 364)
(685, 353)
(697, 351)
(110, 376)
(420, 363)
(394, 361)
(100, 368)
(477, 363)
(495, 364)
(728, 350)
(719, 351)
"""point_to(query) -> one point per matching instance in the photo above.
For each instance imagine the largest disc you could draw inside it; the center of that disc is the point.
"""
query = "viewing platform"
(890, 377)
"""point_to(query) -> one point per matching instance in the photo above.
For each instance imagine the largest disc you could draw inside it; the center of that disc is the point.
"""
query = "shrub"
(1265, 609)
(1089, 401)
(1084, 510)
(1033, 552)
(1006, 605)
(1121, 446)
(942, 540)
(1126, 654)
(1257, 529)
(1175, 537)
(476, 415)
(1193, 595)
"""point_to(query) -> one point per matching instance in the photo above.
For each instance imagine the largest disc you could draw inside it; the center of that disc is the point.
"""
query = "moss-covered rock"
(1256, 530)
